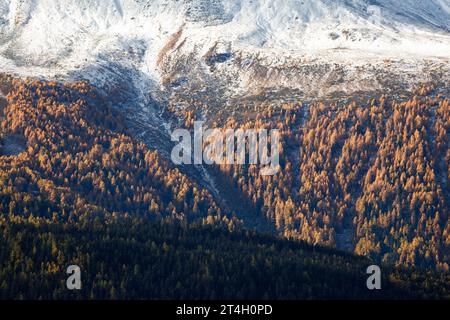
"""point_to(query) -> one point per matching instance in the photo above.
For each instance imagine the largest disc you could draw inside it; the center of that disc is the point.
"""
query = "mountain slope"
(83, 192)
(59, 36)
(163, 60)
(142, 259)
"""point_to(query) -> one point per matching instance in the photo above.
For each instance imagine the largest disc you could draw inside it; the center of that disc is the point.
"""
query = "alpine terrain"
(92, 90)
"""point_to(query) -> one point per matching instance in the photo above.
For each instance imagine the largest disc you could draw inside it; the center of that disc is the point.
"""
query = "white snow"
(57, 37)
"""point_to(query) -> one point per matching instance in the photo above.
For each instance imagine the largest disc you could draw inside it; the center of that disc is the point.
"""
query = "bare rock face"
(208, 13)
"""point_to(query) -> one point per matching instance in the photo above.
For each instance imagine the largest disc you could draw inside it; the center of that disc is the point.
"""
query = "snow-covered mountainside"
(241, 46)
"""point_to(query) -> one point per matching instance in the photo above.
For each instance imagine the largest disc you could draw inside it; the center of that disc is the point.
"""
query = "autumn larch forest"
(361, 182)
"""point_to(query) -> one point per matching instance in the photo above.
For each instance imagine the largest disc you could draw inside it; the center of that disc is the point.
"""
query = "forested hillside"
(371, 177)
(136, 258)
(78, 162)
(75, 188)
